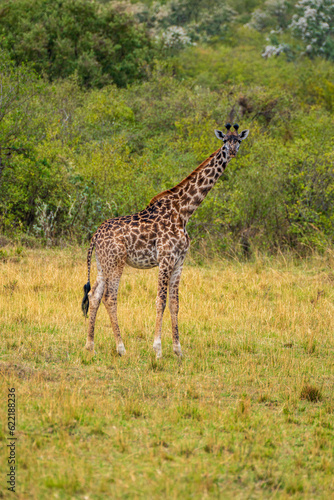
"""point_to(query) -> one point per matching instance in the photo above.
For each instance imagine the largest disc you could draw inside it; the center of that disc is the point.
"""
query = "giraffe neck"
(194, 188)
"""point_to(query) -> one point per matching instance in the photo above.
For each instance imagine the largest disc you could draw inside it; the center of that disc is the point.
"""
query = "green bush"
(65, 37)
(83, 155)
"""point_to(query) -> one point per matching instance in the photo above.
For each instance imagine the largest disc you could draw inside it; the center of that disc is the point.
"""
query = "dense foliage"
(63, 37)
(75, 151)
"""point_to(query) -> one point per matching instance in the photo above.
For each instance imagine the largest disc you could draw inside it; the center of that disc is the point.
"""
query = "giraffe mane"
(184, 181)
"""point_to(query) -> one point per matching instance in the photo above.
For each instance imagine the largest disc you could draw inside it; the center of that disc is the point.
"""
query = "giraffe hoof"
(157, 349)
(177, 350)
(90, 347)
(121, 349)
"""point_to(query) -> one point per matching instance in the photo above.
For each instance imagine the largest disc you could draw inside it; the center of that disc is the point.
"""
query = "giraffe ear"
(219, 135)
(243, 134)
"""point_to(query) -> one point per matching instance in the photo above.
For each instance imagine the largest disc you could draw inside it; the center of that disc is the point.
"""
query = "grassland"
(232, 420)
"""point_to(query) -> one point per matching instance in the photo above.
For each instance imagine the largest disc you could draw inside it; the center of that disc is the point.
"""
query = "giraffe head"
(232, 139)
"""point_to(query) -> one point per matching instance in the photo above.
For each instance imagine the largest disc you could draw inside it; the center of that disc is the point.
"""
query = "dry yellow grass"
(230, 420)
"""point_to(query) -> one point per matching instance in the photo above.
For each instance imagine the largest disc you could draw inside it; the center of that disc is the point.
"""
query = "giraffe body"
(156, 236)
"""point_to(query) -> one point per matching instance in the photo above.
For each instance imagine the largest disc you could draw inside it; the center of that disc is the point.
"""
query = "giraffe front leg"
(161, 305)
(174, 306)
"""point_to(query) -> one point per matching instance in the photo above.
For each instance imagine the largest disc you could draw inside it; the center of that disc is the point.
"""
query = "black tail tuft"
(85, 300)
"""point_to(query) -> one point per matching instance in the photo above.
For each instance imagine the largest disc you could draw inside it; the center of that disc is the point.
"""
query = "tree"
(63, 37)
(18, 86)
(314, 24)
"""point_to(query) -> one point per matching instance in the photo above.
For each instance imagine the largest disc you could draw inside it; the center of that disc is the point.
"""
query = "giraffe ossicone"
(156, 236)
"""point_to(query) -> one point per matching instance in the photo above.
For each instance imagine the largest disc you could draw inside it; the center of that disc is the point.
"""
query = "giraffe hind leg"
(110, 302)
(95, 296)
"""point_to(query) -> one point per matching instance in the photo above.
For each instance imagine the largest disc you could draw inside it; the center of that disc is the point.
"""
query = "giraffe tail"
(86, 288)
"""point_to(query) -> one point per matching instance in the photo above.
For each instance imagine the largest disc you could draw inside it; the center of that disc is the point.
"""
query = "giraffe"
(156, 236)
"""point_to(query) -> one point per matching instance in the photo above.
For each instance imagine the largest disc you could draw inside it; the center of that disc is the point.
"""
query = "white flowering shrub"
(215, 22)
(259, 20)
(314, 24)
(274, 50)
(280, 11)
(274, 14)
(175, 37)
(200, 20)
